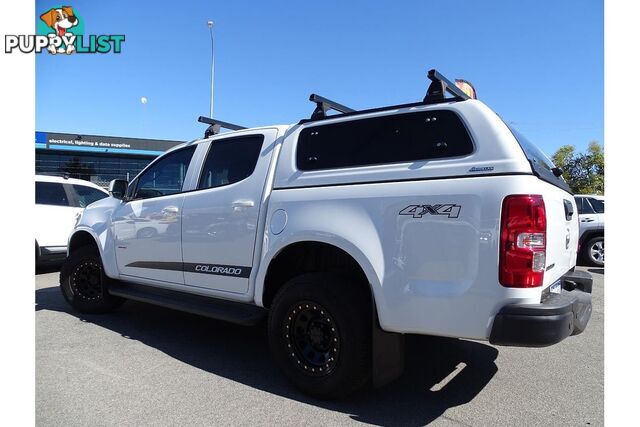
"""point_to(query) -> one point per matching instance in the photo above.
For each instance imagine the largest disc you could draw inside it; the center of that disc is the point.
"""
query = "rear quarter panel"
(433, 274)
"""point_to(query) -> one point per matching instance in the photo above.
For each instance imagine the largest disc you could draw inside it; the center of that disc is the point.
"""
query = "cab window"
(230, 160)
(165, 176)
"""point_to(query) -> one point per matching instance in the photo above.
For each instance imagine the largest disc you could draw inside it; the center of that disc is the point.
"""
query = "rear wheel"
(320, 334)
(593, 251)
(84, 284)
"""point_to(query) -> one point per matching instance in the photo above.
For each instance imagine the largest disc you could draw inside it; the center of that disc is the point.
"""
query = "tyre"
(84, 284)
(320, 334)
(593, 251)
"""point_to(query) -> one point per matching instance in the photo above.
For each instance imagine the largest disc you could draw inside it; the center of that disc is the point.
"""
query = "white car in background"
(591, 214)
(58, 202)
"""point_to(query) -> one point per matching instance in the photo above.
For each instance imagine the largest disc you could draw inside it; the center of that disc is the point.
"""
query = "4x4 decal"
(417, 211)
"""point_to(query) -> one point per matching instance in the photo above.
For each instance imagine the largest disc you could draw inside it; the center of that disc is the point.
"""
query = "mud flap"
(388, 353)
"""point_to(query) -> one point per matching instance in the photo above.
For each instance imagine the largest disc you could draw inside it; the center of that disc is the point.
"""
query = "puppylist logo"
(61, 31)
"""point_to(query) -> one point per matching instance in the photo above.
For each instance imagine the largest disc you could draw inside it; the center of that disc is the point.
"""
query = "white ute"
(347, 231)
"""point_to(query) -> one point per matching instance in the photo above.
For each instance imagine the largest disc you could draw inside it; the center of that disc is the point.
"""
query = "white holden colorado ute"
(347, 231)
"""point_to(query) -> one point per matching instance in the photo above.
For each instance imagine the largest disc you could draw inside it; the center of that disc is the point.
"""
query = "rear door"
(588, 216)
(148, 228)
(598, 208)
(220, 216)
(562, 232)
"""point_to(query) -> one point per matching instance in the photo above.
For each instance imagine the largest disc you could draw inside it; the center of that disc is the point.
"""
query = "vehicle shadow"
(596, 270)
(242, 354)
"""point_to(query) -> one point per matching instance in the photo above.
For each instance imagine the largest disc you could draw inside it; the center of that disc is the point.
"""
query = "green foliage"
(584, 172)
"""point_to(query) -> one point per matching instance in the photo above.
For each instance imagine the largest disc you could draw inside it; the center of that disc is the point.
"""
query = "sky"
(538, 64)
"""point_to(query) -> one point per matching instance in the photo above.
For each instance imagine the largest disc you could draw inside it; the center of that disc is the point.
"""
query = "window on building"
(230, 160)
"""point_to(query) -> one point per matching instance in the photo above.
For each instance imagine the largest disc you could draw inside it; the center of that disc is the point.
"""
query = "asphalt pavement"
(146, 365)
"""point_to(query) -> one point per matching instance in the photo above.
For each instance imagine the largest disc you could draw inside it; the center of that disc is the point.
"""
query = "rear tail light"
(523, 236)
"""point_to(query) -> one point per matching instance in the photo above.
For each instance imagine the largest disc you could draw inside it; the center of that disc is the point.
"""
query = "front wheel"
(84, 284)
(594, 251)
(320, 334)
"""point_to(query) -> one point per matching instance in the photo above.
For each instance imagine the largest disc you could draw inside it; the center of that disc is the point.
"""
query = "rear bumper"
(556, 317)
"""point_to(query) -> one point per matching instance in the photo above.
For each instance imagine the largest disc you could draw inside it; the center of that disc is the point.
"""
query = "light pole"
(210, 25)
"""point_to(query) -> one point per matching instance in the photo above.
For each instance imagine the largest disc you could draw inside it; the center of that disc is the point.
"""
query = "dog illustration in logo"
(60, 20)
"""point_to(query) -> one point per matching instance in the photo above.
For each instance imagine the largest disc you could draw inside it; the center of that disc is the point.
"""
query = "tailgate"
(562, 232)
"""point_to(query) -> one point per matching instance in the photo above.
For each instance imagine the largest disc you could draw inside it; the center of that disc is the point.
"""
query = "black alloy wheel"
(86, 281)
(313, 338)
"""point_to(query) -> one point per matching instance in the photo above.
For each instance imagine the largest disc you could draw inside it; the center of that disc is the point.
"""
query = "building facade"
(95, 158)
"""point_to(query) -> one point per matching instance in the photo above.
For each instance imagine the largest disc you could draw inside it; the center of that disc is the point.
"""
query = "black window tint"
(166, 176)
(87, 195)
(540, 163)
(51, 193)
(230, 160)
(583, 206)
(597, 205)
(389, 139)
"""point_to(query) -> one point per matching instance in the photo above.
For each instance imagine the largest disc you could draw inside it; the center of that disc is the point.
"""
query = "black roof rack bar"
(439, 85)
(216, 125)
(323, 105)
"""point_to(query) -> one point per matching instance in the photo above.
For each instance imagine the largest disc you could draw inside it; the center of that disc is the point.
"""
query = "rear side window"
(598, 205)
(51, 193)
(87, 195)
(583, 206)
(230, 160)
(389, 139)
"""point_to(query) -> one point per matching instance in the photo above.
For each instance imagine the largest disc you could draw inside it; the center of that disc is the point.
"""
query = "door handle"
(169, 210)
(587, 220)
(243, 204)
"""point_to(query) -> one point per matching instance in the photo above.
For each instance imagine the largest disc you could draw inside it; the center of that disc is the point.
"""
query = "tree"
(584, 172)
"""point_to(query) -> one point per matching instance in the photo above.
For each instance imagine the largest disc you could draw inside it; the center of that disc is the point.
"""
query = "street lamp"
(210, 25)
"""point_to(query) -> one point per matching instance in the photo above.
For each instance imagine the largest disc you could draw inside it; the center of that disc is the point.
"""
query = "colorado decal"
(188, 267)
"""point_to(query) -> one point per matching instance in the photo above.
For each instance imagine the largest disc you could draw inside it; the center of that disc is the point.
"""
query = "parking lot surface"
(146, 365)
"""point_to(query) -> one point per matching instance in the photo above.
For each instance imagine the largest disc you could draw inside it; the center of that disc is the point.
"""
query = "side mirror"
(118, 188)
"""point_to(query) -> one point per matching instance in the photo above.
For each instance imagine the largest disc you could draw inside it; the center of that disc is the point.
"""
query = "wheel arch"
(588, 235)
(312, 255)
(87, 237)
(79, 239)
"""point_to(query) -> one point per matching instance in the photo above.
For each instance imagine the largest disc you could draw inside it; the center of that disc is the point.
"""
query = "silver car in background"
(591, 214)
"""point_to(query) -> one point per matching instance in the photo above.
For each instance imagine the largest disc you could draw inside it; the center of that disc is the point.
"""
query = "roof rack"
(216, 125)
(323, 105)
(435, 94)
(439, 85)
